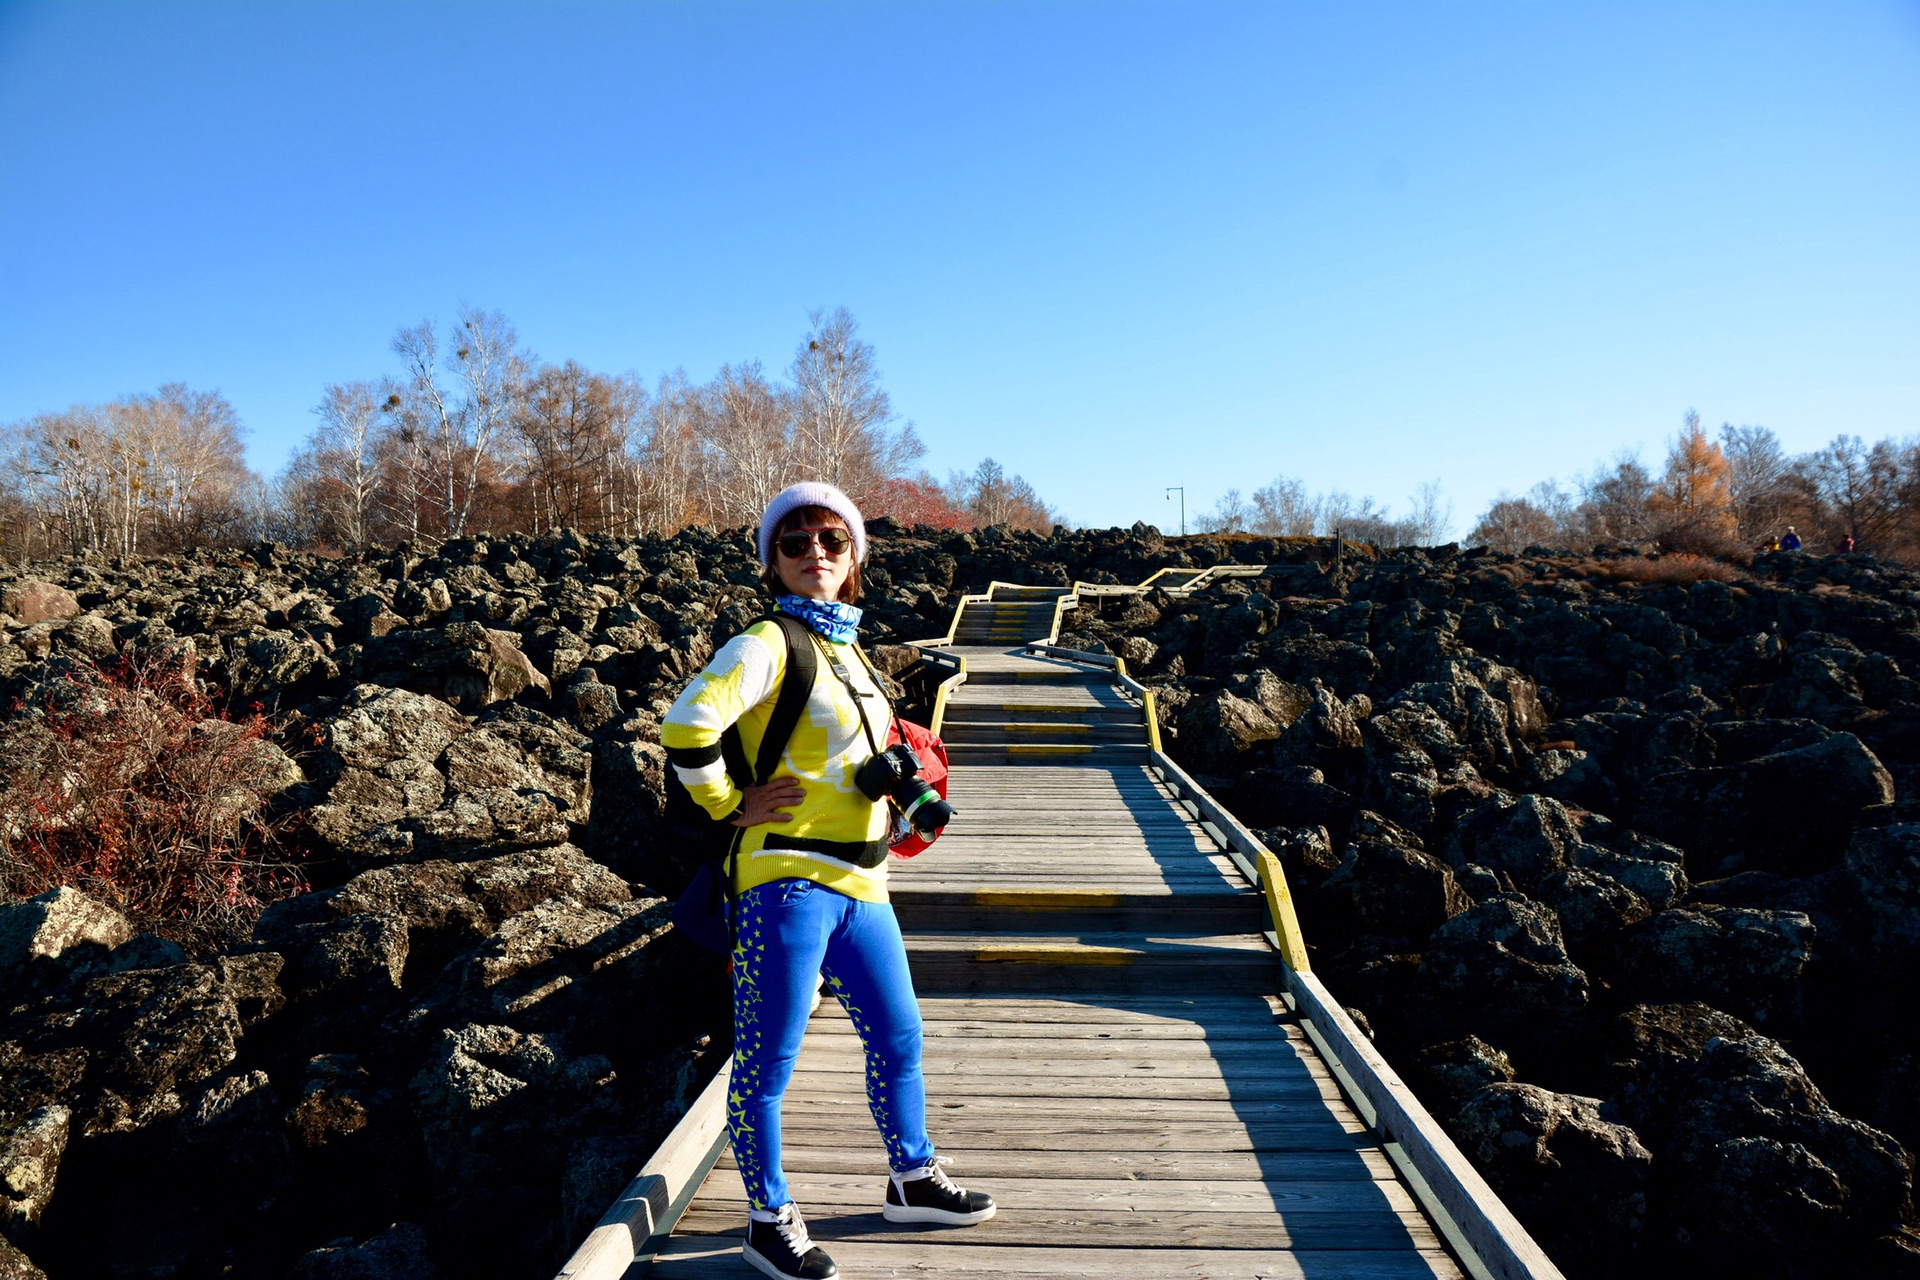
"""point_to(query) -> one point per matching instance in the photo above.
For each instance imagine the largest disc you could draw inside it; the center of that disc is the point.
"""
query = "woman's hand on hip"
(769, 802)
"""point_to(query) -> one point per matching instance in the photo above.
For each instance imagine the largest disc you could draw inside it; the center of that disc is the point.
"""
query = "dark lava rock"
(1793, 811)
(1653, 1052)
(398, 1253)
(15, 1265)
(1386, 884)
(1777, 1179)
(1503, 961)
(1578, 1181)
(1743, 960)
(30, 1154)
(1446, 1075)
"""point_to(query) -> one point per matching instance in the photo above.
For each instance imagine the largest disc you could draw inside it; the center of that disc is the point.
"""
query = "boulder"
(1793, 811)
(1653, 1052)
(470, 665)
(1578, 1181)
(1881, 876)
(32, 601)
(1217, 729)
(1592, 906)
(15, 1265)
(1447, 1074)
(1502, 962)
(498, 1108)
(1386, 884)
(30, 1154)
(48, 926)
(398, 1253)
(1744, 960)
(380, 750)
(1522, 840)
(1774, 1177)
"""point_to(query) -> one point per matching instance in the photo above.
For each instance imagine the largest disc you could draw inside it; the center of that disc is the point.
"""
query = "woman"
(811, 880)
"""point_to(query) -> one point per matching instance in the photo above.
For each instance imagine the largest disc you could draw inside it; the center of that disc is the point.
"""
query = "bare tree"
(1858, 487)
(463, 427)
(1285, 509)
(342, 460)
(1758, 478)
(749, 444)
(1430, 515)
(1618, 504)
(669, 455)
(1230, 514)
(570, 424)
(842, 414)
(1513, 524)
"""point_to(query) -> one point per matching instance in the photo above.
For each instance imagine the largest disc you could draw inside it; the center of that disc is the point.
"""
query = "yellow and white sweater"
(835, 829)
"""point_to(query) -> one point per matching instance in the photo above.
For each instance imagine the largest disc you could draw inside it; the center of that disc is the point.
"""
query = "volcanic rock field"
(1617, 856)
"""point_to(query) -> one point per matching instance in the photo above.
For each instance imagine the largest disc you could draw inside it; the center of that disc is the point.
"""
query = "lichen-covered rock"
(498, 1108)
(30, 1154)
(32, 601)
(15, 1265)
(1447, 1074)
(1653, 1052)
(1386, 884)
(52, 924)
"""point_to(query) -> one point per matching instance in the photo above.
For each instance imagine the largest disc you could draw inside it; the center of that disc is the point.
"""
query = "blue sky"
(1116, 246)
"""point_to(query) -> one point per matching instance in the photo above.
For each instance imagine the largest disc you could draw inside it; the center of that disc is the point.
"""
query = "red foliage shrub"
(915, 502)
(128, 785)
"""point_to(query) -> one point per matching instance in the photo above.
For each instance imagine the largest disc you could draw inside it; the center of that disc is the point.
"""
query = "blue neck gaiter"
(838, 622)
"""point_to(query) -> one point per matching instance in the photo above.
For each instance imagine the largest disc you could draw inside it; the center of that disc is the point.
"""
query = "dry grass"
(129, 786)
(1676, 568)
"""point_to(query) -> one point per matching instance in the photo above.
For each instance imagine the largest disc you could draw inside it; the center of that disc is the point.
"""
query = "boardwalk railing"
(1478, 1225)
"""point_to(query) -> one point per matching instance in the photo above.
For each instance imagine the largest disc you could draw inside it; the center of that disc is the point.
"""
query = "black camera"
(895, 775)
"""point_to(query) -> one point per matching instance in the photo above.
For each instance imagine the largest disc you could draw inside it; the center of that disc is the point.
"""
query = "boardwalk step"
(1009, 732)
(1013, 711)
(1077, 753)
(1163, 961)
(1027, 911)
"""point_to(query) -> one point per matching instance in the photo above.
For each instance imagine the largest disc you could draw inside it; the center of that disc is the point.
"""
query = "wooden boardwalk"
(1107, 1050)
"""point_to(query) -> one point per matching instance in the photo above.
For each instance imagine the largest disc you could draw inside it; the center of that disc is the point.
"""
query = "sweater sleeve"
(743, 674)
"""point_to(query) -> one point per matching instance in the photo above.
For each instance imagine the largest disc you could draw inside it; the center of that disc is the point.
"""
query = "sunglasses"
(832, 541)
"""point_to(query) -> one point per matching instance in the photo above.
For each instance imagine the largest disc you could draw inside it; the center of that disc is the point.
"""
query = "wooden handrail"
(632, 1230)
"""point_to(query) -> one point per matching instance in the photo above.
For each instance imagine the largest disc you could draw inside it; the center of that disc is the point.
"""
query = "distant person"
(1845, 545)
(1771, 544)
(1789, 541)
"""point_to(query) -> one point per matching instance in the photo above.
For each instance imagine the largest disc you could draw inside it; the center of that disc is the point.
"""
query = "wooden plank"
(1187, 1166)
(1118, 1073)
(1037, 1133)
(698, 1257)
(1374, 1236)
(1293, 1198)
(1093, 1108)
(827, 1084)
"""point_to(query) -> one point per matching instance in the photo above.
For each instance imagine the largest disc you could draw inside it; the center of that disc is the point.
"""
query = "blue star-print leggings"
(791, 933)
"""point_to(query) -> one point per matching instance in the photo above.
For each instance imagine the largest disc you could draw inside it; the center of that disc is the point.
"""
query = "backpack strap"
(796, 686)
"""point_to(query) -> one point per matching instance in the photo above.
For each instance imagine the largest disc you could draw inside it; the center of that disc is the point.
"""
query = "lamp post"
(1182, 491)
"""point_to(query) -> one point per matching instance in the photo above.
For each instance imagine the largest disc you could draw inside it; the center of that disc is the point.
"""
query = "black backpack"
(704, 909)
